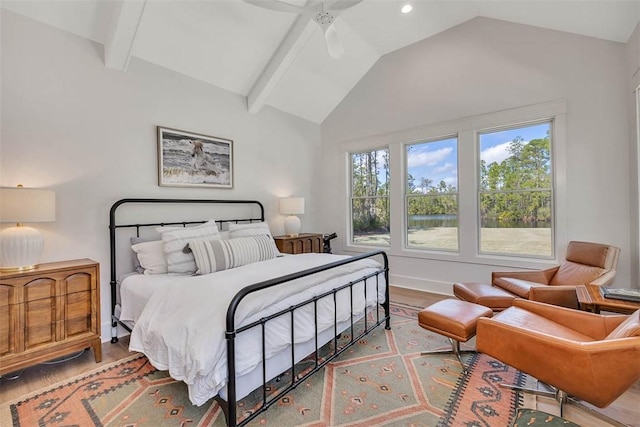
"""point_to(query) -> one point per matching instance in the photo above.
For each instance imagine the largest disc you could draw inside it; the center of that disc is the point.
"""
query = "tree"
(370, 203)
(518, 188)
(425, 183)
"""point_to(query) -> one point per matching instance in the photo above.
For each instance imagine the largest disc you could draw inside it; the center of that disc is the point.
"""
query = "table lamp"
(292, 206)
(21, 246)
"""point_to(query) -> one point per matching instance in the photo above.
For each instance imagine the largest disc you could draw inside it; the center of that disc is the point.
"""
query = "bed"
(229, 330)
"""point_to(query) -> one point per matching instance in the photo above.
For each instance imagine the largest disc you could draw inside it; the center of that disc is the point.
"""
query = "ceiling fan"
(324, 13)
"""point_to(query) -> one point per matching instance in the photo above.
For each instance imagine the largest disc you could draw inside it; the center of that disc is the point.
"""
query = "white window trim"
(349, 166)
(466, 129)
(405, 237)
(551, 122)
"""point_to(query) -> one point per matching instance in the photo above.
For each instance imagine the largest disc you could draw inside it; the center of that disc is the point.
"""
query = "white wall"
(633, 72)
(484, 66)
(89, 133)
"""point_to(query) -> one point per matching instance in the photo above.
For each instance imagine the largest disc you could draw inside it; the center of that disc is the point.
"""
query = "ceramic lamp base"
(292, 225)
(20, 248)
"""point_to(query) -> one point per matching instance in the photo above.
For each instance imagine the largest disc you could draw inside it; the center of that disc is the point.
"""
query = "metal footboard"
(229, 407)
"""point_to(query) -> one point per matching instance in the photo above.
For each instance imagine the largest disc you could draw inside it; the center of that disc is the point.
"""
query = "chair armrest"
(594, 325)
(564, 296)
(538, 276)
(605, 279)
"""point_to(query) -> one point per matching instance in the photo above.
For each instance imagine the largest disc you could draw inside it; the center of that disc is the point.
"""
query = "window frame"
(350, 197)
(405, 206)
(466, 129)
(480, 192)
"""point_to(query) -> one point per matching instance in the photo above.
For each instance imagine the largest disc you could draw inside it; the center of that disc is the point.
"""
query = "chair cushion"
(571, 273)
(594, 254)
(629, 328)
(519, 318)
(516, 286)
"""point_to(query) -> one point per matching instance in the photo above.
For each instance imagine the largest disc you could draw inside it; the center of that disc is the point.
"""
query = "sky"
(437, 160)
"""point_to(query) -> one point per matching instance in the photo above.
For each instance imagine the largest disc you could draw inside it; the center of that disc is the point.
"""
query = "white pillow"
(151, 256)
(252, 229)
(217, 255)
(175, 240)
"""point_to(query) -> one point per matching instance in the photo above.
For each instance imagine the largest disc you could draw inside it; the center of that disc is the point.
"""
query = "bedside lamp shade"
(292, 206)
(21, 246)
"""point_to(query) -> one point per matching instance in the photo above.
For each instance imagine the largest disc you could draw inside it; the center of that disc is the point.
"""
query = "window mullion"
(467, 193)
(397, 197)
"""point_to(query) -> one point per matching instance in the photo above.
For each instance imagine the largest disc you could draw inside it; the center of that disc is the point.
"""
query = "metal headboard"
(113, 225)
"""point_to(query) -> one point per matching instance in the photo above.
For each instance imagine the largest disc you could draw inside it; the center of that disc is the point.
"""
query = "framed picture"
(187, 159)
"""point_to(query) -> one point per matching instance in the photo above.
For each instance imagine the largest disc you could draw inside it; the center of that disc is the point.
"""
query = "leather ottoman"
(479, 293)
(455, 320)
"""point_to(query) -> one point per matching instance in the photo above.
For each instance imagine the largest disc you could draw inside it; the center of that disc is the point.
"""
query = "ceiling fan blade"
(278, 6)
(334, 45)
(342, 4)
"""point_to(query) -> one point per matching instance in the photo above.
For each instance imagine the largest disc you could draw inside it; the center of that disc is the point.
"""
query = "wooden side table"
(591, 299)
(301, 244)
(49, 312)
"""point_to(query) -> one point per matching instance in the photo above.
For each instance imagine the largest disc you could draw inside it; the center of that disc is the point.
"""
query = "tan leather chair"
(584, 356)
(585, 263)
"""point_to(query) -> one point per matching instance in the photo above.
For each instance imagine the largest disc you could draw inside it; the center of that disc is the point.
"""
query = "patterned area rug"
(383, 380)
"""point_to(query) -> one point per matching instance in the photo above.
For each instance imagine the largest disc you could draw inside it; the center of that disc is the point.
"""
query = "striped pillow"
(252, 229)
(175, 240)
(217, 255)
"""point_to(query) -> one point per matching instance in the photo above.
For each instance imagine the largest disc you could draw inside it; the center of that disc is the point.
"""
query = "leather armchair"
(585, 356)
(585, 263)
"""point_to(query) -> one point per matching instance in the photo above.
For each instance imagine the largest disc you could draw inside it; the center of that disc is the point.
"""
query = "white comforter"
(182, 327)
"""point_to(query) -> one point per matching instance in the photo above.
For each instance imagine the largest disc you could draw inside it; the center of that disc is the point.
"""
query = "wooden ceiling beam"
(121, 38)
(283, 58)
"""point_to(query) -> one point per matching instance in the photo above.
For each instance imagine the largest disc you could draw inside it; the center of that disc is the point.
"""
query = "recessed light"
(406, 8)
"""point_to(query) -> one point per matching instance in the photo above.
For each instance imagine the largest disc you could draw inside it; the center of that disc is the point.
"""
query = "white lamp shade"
(27, 205)
(292, 206)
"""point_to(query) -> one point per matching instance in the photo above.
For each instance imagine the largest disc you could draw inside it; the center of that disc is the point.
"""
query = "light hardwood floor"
(625, 409)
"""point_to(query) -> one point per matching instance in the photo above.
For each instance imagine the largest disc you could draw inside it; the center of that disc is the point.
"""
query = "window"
(432, 195)
(487, 189)
(370, 198)
(515, 197)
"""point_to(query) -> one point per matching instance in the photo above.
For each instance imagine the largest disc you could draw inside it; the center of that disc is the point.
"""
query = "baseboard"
(419, 284)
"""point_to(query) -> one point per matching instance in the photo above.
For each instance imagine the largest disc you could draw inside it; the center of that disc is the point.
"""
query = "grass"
(508, 241)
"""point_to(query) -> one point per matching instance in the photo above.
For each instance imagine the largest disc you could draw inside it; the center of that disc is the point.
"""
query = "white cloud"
(428, 158)
(451, 180)
(447, 167)
(497, 153)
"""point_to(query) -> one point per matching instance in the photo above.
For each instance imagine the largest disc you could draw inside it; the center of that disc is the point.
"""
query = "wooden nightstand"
(49, 312)
(302, 243)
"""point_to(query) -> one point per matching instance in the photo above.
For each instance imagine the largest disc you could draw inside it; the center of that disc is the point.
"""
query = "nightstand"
(302, 243)
(49, 312)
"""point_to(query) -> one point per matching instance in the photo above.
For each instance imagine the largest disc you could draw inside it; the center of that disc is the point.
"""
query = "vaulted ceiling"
(279, 58)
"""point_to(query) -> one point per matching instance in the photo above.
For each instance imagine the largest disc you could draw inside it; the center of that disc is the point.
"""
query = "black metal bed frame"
(229, 406)
(114, 226)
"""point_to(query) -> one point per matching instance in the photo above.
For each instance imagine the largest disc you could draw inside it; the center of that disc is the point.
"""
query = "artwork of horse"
(201, 160)
(190, 159)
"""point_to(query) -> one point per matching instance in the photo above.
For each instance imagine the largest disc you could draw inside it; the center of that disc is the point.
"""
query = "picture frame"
(189, 159)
